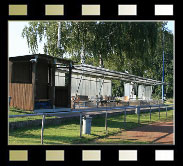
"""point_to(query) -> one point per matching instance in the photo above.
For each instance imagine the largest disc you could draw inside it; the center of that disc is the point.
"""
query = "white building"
(142, 92)
(89, 86)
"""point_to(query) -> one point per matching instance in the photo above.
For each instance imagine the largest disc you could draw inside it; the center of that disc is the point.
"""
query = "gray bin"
(137, 110)
(87, 124)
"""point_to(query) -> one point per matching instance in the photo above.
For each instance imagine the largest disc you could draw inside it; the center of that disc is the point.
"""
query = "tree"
(135, 47)
(135, 39)
(156, 66)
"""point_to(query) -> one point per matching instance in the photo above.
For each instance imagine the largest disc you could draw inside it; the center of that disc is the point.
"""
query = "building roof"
(27, 58)
(89, 70)
(93, 71)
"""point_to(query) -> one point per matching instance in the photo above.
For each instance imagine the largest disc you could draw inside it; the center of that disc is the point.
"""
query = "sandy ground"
(155, 133)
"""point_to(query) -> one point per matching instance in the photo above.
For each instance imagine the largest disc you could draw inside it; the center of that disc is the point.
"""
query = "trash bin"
(87, 124)
(137, 110)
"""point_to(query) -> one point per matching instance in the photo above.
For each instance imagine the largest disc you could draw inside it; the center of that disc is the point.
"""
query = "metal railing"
(101, 110)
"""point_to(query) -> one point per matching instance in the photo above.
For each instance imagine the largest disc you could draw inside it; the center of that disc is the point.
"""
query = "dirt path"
(155, 133)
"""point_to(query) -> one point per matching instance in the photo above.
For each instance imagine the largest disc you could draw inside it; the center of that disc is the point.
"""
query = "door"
(61, 96)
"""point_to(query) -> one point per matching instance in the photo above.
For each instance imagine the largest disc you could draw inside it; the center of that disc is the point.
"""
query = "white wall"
(141, 92)
(89, 86)
(148, 92)
(144, 92)
(128, 91)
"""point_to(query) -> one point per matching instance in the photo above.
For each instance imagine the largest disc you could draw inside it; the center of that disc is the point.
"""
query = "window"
(21, 72)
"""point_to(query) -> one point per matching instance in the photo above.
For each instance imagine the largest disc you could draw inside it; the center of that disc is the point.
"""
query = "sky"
(17, 45)
(170, 26)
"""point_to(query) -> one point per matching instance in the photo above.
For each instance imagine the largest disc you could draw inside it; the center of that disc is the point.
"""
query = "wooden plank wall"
(21, 96)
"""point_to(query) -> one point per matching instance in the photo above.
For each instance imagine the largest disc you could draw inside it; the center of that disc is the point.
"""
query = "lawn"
(14, 111)
(69, 131)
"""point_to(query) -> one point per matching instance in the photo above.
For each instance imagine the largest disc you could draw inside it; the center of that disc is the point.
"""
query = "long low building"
(45, 83)
(86, 85)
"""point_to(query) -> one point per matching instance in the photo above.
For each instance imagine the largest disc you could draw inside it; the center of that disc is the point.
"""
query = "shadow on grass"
(156, 128)
(20, 111)
(70, 137)
(115, 123)
(119, 142)
(52, 139)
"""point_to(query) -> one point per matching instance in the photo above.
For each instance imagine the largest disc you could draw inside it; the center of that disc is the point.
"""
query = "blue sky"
(170, 26)
(17, 45)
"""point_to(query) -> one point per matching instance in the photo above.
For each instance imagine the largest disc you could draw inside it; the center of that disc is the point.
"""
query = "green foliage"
(156, 66)
(118, 88)
(135, 47)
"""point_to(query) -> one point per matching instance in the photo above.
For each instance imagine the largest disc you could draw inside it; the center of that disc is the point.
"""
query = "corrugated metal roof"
(94, 71)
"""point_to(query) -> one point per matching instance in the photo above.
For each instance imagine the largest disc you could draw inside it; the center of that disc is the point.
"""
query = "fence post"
(138, 112)
(97, 103)
(125, 118)
(159, 111)
(9, 100)
(106, 122)
(150, 113)
(122, 119)
(42, 128)
(80, 124)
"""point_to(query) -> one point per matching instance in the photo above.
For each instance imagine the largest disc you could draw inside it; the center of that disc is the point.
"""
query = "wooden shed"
(32, 83)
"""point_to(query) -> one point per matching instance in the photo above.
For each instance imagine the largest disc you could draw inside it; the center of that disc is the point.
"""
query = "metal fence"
(102, 110)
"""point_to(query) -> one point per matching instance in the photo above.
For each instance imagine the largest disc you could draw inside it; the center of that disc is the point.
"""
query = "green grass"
(14, 111)
(69, 131)
(169, 101)
(132, 122)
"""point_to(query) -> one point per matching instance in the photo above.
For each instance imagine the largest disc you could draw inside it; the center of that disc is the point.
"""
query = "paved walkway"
(128, 111)
(155, 133)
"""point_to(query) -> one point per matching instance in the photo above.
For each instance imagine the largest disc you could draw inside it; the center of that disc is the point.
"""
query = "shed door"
(61, 96)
